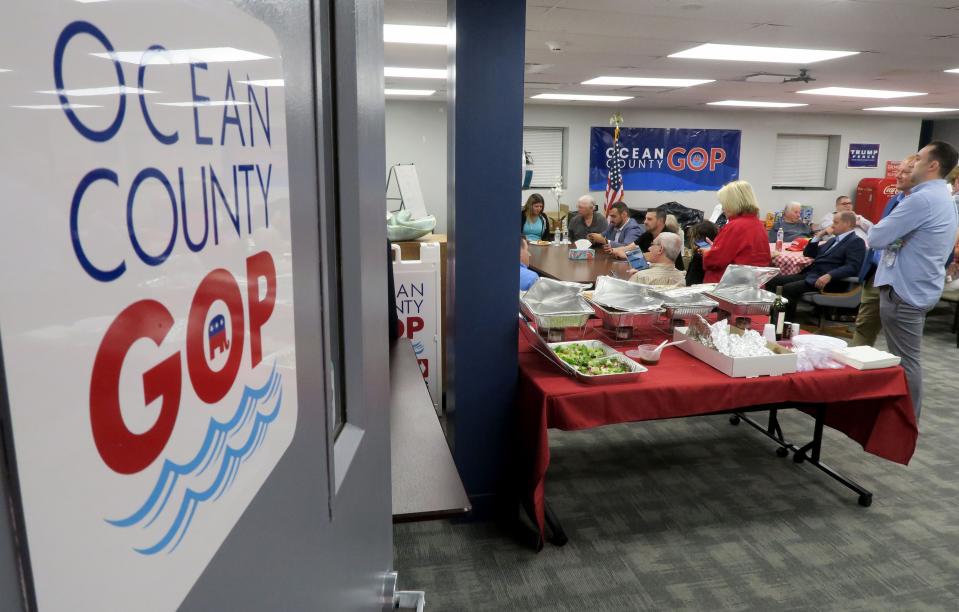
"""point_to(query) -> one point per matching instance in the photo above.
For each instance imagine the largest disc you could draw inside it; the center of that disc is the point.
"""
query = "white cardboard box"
(739, 367)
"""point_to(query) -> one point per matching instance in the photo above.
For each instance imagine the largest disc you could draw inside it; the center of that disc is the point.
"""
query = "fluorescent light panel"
(745, 53)
(646, 81)
(5, 70)
(264, 82)
(853, 92)
(209, 55)
(414, 73)
(581, 97)
(409, 92)
(98, 91)
(55, 106)
(912, 109)
(205, 103)
(952, 70)
(756, 104)
(415, 35)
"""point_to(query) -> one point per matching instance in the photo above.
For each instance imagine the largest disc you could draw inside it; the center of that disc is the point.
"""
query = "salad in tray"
(591, 361)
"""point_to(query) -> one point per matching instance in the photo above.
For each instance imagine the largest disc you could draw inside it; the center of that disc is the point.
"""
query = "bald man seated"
(662, 254)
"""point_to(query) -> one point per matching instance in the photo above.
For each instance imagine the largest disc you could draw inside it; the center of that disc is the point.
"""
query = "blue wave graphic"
(215, 450)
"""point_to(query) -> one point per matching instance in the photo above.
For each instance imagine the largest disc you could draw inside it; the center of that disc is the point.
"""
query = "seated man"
(526, 276)
(661, 256)
(791, 223)
(655, 224)
(835, 260)
(844, 204)
(588, 221)
(622, 229)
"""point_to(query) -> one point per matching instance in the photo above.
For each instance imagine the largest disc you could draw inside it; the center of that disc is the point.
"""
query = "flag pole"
(616, 120)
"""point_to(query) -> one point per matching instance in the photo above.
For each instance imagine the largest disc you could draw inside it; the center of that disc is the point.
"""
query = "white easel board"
(411, 196)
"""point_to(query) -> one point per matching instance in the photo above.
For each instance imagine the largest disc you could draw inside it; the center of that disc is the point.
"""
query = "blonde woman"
(743, 239)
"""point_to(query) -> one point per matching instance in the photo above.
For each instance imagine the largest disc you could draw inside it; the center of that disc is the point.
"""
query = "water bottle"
(556, 235)
(565, 232)
(779, 240)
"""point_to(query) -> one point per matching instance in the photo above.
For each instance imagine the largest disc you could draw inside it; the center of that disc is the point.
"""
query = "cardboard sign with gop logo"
(146, 314)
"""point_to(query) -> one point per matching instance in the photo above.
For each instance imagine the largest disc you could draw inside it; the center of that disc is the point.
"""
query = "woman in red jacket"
(743, 240)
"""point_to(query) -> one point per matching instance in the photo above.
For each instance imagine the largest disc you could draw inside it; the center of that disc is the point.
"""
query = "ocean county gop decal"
(147, 311)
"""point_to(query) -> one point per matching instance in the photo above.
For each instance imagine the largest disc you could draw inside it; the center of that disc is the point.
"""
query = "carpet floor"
(695, 514)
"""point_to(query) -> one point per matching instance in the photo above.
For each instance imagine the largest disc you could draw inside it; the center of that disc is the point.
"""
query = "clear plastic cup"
(648, 354)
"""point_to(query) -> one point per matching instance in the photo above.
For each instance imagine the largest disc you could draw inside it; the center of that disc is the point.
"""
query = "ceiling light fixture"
(204, 103)
(646, 81)
(912, 109)
(756, 104)
(852, 92)
(415, 35)
(183, 56)
(581, 97)
(55, 106)
(415, 73)
(409, 92)
(264, 82)
(952, 70)
(746, 53)
(98, 91)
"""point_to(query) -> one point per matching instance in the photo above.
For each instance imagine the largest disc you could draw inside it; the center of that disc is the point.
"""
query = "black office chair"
(833, 300)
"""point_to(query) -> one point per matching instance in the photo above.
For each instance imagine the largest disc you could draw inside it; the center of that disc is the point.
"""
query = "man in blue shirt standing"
(916, 240)
(526, 276)
(868, 324)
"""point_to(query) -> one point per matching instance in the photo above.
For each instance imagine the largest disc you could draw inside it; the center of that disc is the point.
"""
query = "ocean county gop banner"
(665, 159)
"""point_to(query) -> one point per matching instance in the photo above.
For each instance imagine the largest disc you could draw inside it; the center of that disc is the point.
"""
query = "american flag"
(614, 181)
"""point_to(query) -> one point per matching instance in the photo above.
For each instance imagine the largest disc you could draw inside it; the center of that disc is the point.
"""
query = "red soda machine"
(872, 194)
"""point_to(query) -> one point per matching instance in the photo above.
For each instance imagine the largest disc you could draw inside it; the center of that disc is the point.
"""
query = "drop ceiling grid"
(632, 38)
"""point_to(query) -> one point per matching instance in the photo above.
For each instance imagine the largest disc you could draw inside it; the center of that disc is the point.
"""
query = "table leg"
(809, 452)
(558, 534)
(555, 534)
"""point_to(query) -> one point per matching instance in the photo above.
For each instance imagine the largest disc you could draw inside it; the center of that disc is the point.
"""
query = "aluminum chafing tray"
(599, 379)
(744, 301)
(557, 320)
(685, 302)
(739, 291)
(613, 318)
(617, 294)
(555, 305)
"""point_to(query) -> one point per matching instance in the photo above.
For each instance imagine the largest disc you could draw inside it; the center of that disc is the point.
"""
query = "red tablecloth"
(871, 406)
(790, 262)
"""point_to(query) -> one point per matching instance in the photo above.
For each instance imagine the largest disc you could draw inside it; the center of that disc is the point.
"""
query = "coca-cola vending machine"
(872, 195)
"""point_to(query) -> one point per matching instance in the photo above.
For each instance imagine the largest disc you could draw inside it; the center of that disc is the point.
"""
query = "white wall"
(416, 131)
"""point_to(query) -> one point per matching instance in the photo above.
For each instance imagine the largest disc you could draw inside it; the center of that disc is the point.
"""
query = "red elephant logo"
(217, 335)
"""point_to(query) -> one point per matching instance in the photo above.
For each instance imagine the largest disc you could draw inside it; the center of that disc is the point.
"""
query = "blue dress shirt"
(926, 222)
(627, 234)
(526, 278)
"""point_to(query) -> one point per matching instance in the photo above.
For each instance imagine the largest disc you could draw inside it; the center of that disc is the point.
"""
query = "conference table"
(872, 407)
(552, 261)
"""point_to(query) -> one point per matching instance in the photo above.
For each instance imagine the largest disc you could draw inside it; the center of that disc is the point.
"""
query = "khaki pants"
(868, 322)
